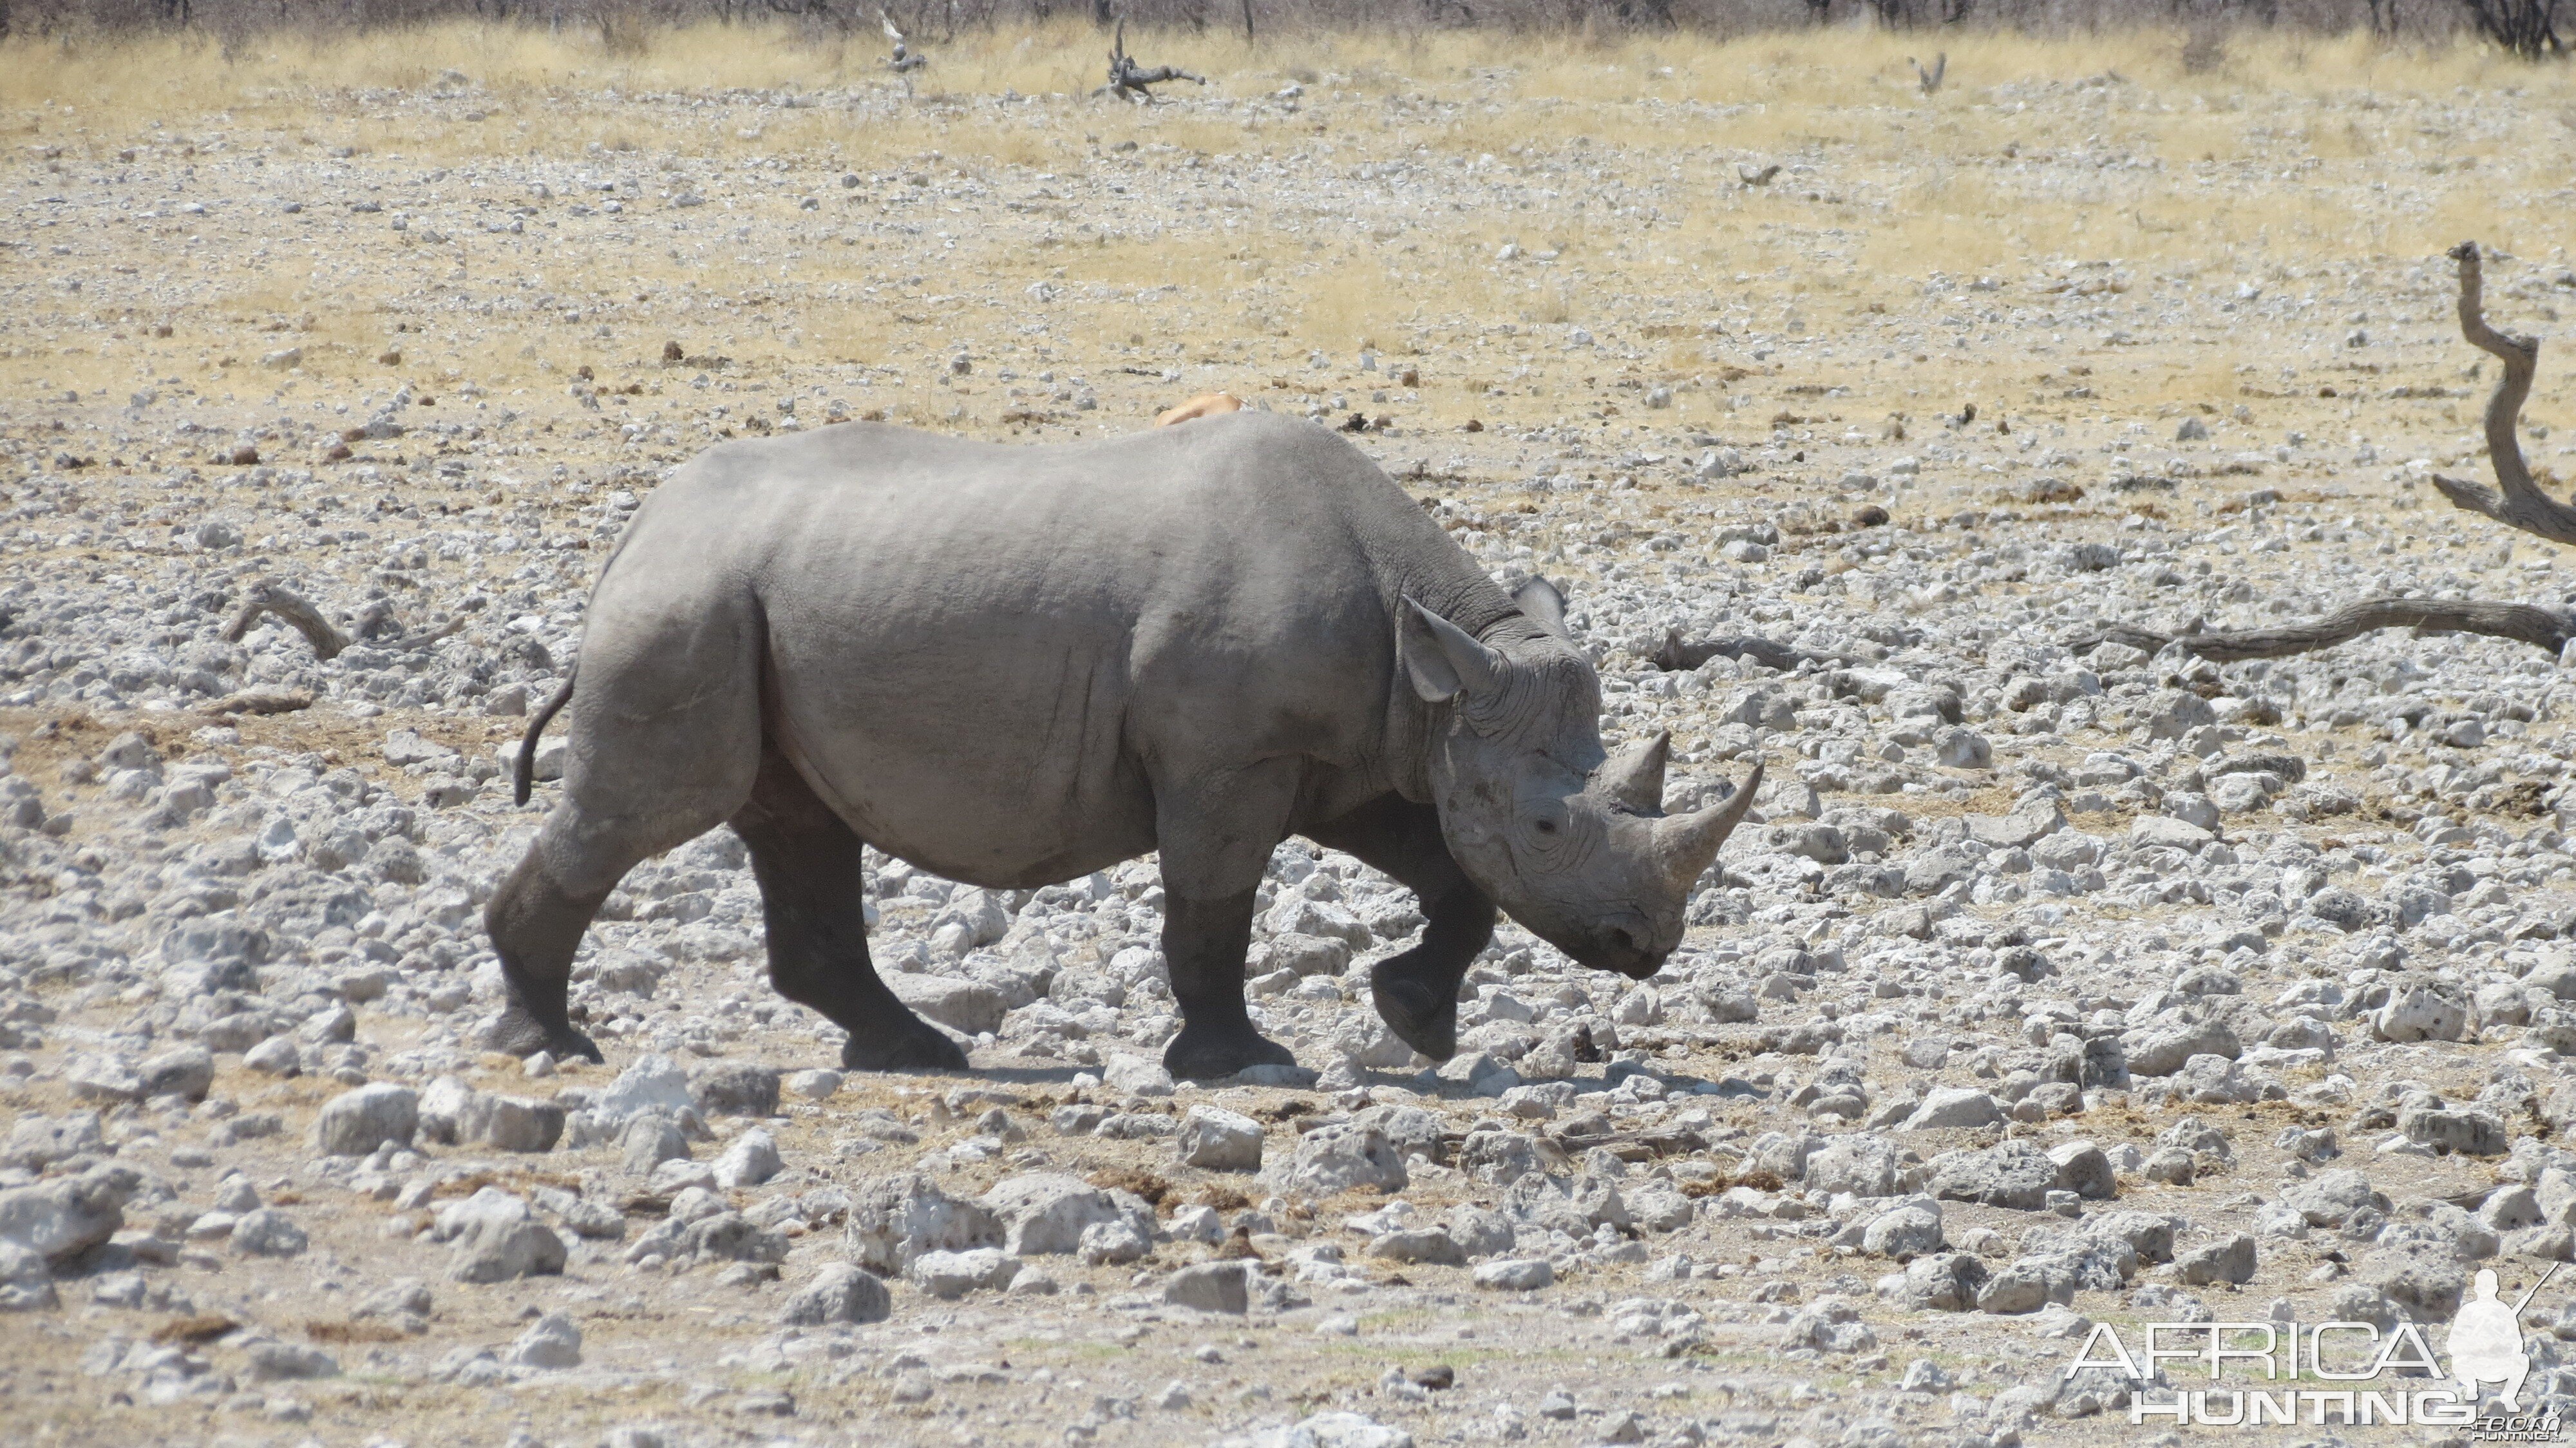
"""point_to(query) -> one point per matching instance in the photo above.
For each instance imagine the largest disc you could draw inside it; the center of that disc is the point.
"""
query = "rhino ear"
(1544, 606)
(1444, 660)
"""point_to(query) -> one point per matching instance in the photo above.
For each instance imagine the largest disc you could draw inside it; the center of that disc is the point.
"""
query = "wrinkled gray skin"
(1016, 665)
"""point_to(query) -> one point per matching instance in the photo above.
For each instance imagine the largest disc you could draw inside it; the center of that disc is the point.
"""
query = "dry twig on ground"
(2520, 622)
(1679, 655)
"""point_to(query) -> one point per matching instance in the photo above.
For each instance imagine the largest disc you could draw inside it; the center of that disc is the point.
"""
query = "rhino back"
(984, 655)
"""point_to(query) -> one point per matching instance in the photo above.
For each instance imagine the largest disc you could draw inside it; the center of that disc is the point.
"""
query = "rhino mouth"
(1623, 949)
(1634, 963)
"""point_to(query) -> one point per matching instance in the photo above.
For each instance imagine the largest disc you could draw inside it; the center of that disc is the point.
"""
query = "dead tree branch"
(262, 699)
(2519, 622)
(2522, 505)
(270, 596)
(1930, 79)
(1129, 81)
(1680, 656)
(375, 622)
(902, 59)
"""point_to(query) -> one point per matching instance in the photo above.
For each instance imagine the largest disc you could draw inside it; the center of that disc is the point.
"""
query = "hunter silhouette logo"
(2486, 1340)
(2357, 1373)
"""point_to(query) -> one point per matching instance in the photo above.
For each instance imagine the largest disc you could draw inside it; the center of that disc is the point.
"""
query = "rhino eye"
(1547, 827)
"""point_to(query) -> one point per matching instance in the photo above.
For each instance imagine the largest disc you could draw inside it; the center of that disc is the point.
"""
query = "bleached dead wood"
(2520, 505)
(1679, 654)
(270, 596)
(1131, 82)
(2520, 622)
(902, 59)
(262, 699)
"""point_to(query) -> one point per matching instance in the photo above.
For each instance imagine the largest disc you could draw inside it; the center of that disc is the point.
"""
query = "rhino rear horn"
(1543, 605)
(1444, 660)
(1689, 843)
(1635, 775)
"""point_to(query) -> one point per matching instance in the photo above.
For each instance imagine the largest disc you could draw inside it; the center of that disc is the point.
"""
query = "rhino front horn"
(1689, 843)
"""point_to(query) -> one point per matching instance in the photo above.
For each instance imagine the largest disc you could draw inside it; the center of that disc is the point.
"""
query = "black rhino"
(1017, 665)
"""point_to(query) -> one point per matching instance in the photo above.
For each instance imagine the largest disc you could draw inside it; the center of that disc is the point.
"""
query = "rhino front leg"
(1204, 943)
(1416, 991)
(1216, 839)
(809, 867)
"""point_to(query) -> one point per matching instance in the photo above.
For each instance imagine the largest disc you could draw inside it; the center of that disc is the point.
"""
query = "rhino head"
(1569, 840)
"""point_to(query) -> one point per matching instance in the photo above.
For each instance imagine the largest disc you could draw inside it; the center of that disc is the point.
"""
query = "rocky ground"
(2051, 985)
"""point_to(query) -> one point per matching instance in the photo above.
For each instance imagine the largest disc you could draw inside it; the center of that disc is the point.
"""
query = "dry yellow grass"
(1792, 95)
(1785, 79)
(1884, 187)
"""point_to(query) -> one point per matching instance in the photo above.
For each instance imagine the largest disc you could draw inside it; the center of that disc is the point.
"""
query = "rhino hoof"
(514, 1032)
(1415, 1013)
(1209, 1056)
(923, 1048)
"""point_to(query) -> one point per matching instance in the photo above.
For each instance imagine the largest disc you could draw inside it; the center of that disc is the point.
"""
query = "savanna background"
(1926, 335)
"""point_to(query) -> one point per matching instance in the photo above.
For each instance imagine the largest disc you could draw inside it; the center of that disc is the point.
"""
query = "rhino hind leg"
(536, 926)
(1416, 991)
(537, 916)
(664, 738)
(808, 864)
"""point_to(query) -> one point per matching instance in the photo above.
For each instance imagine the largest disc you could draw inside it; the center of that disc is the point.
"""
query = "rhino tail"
(523, 771)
